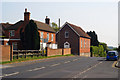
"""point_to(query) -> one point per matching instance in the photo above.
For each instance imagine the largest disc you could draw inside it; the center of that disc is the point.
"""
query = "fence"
(27, 53)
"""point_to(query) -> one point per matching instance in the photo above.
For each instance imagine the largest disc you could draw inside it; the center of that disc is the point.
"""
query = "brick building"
(12, 32)
(74, 37)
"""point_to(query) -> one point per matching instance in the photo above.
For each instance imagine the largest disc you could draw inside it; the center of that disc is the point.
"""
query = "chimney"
(26, 15)
(47, 20)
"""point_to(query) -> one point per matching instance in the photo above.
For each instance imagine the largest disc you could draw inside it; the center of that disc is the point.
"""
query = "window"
(66, 34)
(51, 37)
(84, 43)
(12, 33)
(48, 36)
(41, 35)
(14, 45)
(81, 43)
(1, 43)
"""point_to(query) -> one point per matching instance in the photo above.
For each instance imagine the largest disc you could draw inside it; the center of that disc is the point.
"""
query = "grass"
(32, 58)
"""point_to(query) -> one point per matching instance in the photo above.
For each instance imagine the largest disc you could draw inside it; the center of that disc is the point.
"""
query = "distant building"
(12, 32)
(74, 37)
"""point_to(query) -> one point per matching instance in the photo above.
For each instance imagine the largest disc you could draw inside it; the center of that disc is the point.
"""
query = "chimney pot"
(26, 15)
(25, 9)
(47, 20)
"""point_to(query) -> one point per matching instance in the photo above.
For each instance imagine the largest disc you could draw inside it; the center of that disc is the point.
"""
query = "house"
(47, 34)
(3, 38)
(74, 37)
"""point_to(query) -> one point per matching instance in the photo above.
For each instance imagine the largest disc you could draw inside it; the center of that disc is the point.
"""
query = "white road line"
(36, 69)
(75, 59)
(10, 74)
(2, 67)
(55, 64)
(39, 68)
(67, 62)
(76, 76)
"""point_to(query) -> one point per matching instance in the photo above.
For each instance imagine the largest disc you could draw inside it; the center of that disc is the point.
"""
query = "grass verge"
(32, 58)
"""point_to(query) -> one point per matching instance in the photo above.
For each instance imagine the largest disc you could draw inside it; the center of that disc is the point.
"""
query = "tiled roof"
(40, 25)
(44, 26)
(16, 25)
(0, 29)
(5, 25)
(79, 30)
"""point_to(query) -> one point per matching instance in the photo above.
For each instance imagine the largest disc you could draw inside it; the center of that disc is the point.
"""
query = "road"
(73, 67)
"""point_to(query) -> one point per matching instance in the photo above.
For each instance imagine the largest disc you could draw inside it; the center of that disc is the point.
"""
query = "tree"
(30, 37)
(101, 51)
(94, 38)
(104, 45)
(55, 27)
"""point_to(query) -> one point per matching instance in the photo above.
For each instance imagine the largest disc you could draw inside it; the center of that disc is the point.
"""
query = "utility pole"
(59, 33)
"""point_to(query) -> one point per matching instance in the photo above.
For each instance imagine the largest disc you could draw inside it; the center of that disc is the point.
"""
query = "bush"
(98, 51)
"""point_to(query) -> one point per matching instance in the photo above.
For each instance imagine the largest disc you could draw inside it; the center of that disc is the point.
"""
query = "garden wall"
(6, 53)
(54, 52)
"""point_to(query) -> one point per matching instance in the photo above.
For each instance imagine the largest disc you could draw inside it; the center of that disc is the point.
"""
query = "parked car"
(112, 55)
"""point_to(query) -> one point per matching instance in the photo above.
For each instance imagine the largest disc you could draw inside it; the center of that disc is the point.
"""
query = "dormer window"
(66, 34)
(12, 33)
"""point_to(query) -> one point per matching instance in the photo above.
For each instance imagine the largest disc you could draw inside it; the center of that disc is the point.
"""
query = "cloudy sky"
(100, 16)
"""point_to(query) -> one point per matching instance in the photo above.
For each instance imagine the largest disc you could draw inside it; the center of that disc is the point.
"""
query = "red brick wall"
(53, 52)
(85, 49)
(66, 51)
(5, 52)
(45, 36)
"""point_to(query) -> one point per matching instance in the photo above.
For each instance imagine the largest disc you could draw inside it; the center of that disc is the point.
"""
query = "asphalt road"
(73, 67)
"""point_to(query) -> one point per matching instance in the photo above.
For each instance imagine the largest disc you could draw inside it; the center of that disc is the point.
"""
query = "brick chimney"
(47, 20)
(26, 15)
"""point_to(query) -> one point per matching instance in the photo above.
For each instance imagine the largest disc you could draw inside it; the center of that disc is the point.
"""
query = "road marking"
(36, 69)
(83, 78)
(5, 66)
(55, 64)
(67, 62)
(113, 65)
(76, 76)
(75, 59)
(10, 74)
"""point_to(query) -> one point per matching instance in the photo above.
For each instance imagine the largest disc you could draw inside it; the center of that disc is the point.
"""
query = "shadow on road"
(104, 59)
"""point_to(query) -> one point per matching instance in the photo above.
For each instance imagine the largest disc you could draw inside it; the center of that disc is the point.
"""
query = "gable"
(77, 30)
(69, 27)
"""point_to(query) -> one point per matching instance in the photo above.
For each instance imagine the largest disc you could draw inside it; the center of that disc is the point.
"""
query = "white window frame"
(48, 36)
(41, 35)
(66, 46)
(81, 43)
(52, 37)
(66, 35)
(12, 33)
(84, 43)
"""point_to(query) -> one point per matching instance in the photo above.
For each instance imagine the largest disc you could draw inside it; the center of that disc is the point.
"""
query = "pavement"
(72, 67)
(117, 64)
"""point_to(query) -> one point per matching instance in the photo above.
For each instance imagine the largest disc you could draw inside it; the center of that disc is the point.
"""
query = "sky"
(99, 16)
